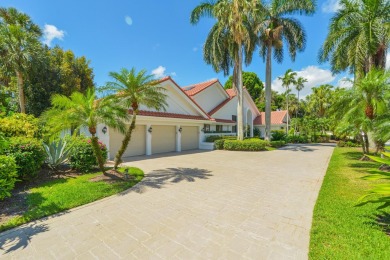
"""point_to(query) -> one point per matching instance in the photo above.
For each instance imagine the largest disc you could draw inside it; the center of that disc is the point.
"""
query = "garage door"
(163, 139)
(137, 145)
(189, 138)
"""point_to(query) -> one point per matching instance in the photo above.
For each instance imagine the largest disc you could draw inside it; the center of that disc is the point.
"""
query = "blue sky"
(157, 36)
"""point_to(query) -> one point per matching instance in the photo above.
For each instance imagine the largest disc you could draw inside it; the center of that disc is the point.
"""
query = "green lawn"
(62, 194)
(340, 230)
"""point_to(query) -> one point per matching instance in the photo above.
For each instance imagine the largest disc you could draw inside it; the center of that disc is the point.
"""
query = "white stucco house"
(193, 112)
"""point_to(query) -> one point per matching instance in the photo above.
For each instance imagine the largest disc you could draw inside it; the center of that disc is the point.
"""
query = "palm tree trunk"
(288, 113)
(98, 152)
(22, 102)
(268, 94)
(125, 141)
(240, 93)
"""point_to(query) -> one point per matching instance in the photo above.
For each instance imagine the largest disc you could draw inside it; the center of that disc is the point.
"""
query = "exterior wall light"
(150, 129)
(104, 130)
(202, 129)
(180, 129)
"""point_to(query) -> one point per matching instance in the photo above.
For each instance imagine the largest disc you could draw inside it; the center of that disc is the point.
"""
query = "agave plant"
(381, 192)
(57, 152)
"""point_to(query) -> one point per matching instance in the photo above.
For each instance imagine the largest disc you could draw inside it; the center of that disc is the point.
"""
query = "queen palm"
(18, 43)
(134, 89)
(83, 110)
(228, 39)
(277, 28)
(358, 37)
(287, 80)
(299, 85)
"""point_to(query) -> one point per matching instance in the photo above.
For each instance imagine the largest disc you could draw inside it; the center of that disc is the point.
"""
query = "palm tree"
(83, 110)
(277, 28)
(229, 38)
(18, 43)
(359, 37)
(133, 90)
(287, 80)
(299, 85)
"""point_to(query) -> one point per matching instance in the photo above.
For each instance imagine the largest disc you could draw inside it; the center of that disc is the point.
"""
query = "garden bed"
(53, 193)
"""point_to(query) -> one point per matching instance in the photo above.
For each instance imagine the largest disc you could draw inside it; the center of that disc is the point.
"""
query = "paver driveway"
(216, 204)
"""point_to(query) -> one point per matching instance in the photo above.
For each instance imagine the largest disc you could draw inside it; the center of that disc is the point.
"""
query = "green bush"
(347, 144)
(246, 145)
(29, 155)
(218, 144)
(277, 144)
(297, 139)
(8, 175)
(212, 138)
(82, 157)
(22, 125)
(256, 132)
(278, 135)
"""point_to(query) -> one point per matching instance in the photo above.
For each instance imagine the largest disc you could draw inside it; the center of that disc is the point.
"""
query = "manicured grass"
(340, 230)
(62, 194)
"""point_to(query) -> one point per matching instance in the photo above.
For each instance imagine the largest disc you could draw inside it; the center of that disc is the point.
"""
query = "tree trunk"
(22, 102)
(288, 113)
(366, 143)
(97, 151)
(240, 96)
(125, 141)
(268, 94)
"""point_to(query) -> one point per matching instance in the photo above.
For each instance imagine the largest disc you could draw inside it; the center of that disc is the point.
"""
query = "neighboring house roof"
(277, 118)
(169, 115)
(218, 120)
(231, 92)
(194, 89)
(223, 103)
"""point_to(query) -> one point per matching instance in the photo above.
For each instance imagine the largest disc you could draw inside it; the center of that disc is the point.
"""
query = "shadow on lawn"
(381, 220)
(159, 178)
(19, 238)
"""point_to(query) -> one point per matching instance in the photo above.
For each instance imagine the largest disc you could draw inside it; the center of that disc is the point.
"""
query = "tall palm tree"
(287, 80)
(19, 41)
(359, 37)
(227, 41)
(277, 28)
(133, 90)
(299, 85)
(319, 100)
(83, 110)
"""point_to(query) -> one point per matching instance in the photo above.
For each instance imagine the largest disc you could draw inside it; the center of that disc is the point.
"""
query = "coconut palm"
(228, 40)
(299, 85)
(134, 89)
(83, 110)
(18, 43)
(276, 29)
(287, 80)
(358, 37)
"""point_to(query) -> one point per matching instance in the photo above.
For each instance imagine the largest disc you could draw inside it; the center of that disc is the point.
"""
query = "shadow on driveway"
(19, 238)
(157, 179)
(304, 147)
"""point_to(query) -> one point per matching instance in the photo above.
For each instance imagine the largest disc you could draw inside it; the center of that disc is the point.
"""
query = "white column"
(178, 139)
(251, 124)
(148, 140)
(201, 134)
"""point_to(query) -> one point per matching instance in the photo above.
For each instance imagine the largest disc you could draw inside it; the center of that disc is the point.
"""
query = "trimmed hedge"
(347, 144)
(245, 145)
(8, 175)
(277, 144)
(218, 144)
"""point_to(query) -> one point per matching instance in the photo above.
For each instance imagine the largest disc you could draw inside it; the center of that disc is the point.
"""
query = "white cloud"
(159, 72)
(345, 82)
(173, 74)
(388, 61)
(128, 20)
(50, 32)
(331, 6)
(195, 49)
(315, 76)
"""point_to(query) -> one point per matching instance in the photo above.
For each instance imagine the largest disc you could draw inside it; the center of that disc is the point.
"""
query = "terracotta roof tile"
(168, 115)
(218, 120)
(231, 92)
(215, 109)
(192, 90)
(276, 118)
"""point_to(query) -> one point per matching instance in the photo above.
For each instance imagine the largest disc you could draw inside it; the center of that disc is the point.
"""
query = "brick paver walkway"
(217, 204)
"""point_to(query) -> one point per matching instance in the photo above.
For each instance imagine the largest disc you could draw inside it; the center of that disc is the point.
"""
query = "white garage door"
(189, 138)
(137, 145)
(163, 139)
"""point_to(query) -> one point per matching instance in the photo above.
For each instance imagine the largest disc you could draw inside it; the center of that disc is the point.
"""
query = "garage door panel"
(137, 144)
(189, 138)
(163, 139)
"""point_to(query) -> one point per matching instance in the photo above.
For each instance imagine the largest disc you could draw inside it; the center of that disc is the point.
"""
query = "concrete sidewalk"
(217, 204)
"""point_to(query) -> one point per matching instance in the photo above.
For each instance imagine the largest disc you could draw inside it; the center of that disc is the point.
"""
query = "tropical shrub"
(82, 156)
(20, 125)
(245, 145)
(381, 192)
(57, 152)
(29, 155)
(277, 144)
(212, 138)
(4, 143)
(297, 139)
(256, 132)
(8, 175)
(347, 144)
(277, 135)
(218, 144)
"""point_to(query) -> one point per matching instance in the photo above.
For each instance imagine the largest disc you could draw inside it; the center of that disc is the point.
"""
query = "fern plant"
(381, 192)
(57, 153)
